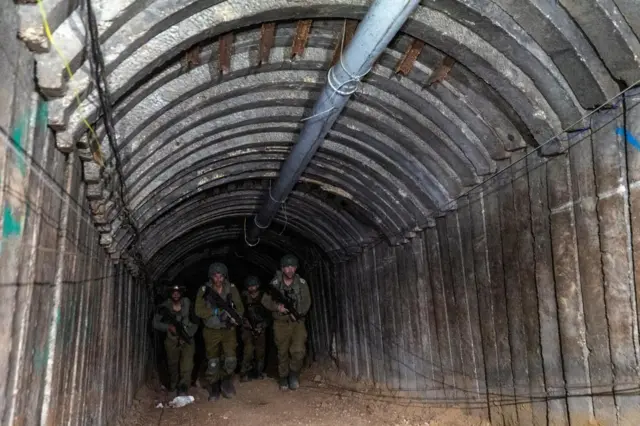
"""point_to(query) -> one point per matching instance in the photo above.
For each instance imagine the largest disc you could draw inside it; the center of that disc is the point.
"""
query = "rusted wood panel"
(301, 36)
(267, 40)
(405, 65)
(225, 45)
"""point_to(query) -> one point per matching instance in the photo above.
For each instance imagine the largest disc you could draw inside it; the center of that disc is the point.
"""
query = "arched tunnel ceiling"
(202, 124)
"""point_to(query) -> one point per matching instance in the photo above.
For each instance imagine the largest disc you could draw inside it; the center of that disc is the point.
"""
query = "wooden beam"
(405, 65)
(300, 39)
(267, 40)
(224, 53)
(440, 73)
(191, 58)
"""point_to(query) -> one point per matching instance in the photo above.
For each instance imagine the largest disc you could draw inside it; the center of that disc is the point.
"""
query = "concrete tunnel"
(469, 227)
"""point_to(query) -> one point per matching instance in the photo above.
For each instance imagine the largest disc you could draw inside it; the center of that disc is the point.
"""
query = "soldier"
(290, 334)
(173, 317)
(254, 340)
(219, 331)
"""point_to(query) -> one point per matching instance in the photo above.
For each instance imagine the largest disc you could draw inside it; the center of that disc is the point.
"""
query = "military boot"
(284, 384)
(293, 381)
(182, 390)
(227, 387)
(214, 391)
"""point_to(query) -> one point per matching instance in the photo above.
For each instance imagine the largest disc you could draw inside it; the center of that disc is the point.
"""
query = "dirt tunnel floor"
(317, 402)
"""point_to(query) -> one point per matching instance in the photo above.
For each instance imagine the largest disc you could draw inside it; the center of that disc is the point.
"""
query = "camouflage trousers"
(180, 362)
(290, 338)
(254, 350)
(219, 342)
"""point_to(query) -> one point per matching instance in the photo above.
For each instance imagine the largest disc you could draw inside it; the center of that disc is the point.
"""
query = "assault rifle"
(255, 325)
(285, 301)
(215, 299)
(168, 317)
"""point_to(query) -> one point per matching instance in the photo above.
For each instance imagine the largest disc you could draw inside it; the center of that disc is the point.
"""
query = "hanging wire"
(99, 69)
(94, 143)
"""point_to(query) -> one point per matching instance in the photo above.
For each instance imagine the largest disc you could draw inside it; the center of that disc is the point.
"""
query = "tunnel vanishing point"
(460, 181)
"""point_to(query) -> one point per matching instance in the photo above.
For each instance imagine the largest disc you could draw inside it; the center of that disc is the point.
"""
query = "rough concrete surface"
(470, 236)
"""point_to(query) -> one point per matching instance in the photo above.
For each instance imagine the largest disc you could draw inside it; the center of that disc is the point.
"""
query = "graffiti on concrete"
(16, 206)
(620, 131)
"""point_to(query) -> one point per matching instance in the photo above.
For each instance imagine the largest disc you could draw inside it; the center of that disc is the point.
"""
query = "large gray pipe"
(381, 23)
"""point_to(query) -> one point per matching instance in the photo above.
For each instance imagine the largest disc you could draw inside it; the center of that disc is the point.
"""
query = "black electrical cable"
(97, 62)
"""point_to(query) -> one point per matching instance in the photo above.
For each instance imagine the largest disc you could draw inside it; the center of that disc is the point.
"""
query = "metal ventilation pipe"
(381, 23)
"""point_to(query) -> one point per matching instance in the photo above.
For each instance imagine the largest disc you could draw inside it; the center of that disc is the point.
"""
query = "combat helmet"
(219, 268)
(289, 260)
(251, 281)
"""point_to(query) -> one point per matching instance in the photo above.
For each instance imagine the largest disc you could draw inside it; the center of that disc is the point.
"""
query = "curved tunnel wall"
(525, 289)
(74, 329)
(523, 303)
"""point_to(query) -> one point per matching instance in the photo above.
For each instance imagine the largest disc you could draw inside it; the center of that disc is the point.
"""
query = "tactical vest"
(180, 316)
(254, 307)
(293, 292)
(217, 320)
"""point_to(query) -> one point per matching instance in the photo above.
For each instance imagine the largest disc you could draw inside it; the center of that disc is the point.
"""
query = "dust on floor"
(317, 403)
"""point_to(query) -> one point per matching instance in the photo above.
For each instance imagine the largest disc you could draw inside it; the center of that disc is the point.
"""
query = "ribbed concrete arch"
(220, 241)
(332, 229)
(263, 261)
(400, 152)
(253, 168)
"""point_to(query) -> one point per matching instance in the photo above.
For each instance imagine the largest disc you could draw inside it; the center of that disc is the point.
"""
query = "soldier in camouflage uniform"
(290, 335)
(219, 332)
(255, 341)
(179, 352)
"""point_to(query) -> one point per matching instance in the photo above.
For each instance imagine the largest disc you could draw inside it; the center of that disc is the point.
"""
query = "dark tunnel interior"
(459, 180)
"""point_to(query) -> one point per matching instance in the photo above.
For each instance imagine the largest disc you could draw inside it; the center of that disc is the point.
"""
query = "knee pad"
(213, 365)
(230, 364)
(297, 354)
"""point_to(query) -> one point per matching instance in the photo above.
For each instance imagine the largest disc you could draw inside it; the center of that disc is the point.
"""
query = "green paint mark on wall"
(40, 358)
(10, 224)
(18, 135)
(42, 115)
